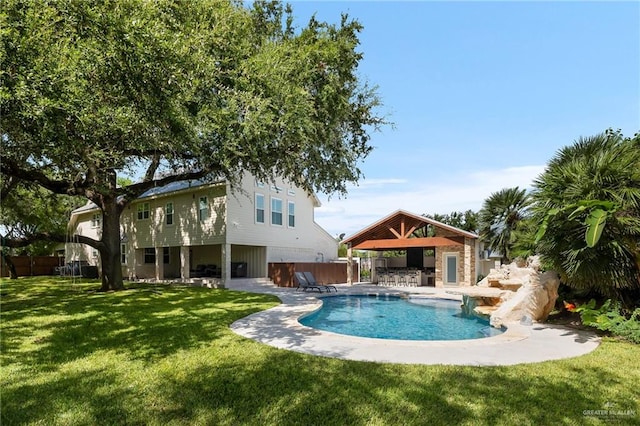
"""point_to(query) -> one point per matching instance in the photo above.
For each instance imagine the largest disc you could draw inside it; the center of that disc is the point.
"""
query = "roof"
(394, 232)
(173, 187)
(156, 191)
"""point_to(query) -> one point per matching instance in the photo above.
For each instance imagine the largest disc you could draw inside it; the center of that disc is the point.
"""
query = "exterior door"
(450, 268)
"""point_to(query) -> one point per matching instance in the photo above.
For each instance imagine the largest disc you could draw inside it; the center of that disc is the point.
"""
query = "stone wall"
(466, 259)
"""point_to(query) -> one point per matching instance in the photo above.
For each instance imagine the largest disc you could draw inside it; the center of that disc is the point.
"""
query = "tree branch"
(69, 187)
(151, 170)
(31, 238)
(147, 153)
(48, 236)
(10, 182)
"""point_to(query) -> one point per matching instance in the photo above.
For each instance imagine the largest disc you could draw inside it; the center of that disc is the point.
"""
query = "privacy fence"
(30, 266)
(282, 273)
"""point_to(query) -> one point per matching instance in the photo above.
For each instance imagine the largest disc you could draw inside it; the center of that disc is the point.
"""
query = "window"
(203, 209)
(260, 184)
(149, 255)
(291, 192)
(96, 220)
(143, 211)
(276, 211)
(259, 208)
(168, 210)
(123, 254)
(166, 257)
(291, 209)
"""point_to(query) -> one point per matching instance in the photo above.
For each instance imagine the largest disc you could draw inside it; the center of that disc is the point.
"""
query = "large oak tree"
(92, 90)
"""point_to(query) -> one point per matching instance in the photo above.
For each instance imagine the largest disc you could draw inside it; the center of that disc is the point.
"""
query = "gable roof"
(394, 230)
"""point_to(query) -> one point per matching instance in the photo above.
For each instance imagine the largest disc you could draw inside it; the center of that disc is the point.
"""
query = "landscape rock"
(513, 293)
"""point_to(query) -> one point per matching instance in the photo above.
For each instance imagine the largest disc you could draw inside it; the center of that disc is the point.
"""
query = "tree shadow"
(168, 357)
(148, 322)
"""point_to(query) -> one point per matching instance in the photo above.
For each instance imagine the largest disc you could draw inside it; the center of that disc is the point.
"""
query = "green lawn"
(165, 355)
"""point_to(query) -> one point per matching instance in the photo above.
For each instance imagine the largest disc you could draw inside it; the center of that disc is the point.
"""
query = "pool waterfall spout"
(513, 293)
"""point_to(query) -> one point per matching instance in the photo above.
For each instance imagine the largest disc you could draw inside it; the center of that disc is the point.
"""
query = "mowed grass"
(160, 355)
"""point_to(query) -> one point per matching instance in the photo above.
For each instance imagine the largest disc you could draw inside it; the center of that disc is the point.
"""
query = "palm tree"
(597, 177)
(499, 218)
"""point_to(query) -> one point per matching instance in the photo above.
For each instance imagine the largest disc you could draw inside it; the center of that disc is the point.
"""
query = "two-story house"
(191, 229)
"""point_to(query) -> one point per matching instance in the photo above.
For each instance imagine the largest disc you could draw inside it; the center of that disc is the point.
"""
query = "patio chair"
(312, 280)
(304, 284)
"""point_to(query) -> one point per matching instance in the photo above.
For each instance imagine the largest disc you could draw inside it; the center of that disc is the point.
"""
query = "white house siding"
(187, 229)
(300, 243)
(84, 227)
(229, 234)
(255, 258)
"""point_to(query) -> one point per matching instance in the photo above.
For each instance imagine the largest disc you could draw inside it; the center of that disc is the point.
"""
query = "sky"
(482, 95)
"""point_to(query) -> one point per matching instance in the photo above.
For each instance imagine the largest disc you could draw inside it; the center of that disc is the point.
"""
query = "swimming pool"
(391, 317)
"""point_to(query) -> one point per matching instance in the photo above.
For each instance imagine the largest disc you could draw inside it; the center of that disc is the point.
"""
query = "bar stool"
(384, 278)
(413, 278)
(391, 279)
(402, 278)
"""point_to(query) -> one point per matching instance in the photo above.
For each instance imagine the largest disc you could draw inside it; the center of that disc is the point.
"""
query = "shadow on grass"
(287, 388)
(166, 355)
(148, 322)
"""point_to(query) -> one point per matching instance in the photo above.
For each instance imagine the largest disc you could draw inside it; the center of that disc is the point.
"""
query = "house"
(193, 229)
(489, 259)
(442, 254)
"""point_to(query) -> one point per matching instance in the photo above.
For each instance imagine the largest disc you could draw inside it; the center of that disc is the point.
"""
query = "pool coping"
(279, 327)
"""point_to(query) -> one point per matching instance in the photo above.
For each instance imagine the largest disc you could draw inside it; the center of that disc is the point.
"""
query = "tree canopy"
(499, 218)
(32, 220)
(467, 220)
(182, 90)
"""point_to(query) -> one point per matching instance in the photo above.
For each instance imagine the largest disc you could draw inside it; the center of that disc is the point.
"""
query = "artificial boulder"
(534, 299)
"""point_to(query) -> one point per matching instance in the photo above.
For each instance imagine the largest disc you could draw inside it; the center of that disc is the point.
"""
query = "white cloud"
(368, 183)
(367, 204)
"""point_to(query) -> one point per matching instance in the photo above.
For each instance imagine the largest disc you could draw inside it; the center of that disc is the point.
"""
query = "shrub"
(610, 318)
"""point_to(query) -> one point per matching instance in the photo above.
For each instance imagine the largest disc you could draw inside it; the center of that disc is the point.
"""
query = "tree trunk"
(110, 249)
(110, 244)
(13, 274)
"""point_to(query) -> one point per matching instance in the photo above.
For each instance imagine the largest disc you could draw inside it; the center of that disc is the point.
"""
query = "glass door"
(450, 269)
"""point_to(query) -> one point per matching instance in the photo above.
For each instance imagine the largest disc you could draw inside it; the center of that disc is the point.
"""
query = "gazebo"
(455, 250)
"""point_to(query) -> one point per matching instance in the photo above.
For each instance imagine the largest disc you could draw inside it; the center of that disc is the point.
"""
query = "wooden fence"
(30, 266)
(282, 273)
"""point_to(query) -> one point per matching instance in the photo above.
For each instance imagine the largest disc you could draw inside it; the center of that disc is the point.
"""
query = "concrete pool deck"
(279, 327)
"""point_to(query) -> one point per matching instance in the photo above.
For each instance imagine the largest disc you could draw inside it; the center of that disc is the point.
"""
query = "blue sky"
(482, 95)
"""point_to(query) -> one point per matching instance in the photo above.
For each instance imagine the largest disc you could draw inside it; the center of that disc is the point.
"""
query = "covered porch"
(214, 262)
(436, 254)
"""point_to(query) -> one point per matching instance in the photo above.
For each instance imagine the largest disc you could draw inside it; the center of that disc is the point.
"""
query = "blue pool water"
(389, 317)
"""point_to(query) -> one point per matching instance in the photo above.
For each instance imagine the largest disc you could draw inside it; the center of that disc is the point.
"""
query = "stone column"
(468, 279)
(184, 262)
